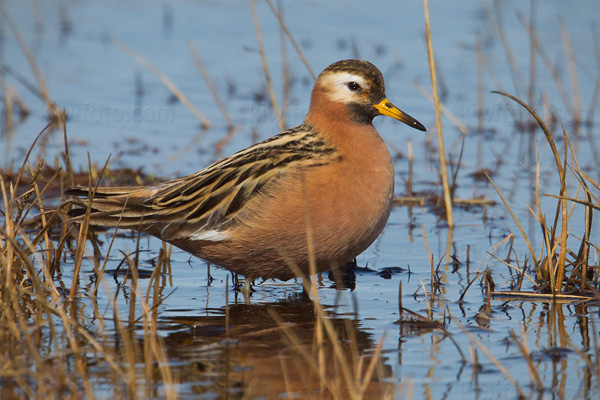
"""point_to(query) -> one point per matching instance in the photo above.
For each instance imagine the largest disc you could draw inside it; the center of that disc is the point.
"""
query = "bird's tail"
(112, 206)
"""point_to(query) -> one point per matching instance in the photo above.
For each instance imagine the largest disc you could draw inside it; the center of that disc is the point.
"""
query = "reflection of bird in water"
(250, 212)
(250, 358)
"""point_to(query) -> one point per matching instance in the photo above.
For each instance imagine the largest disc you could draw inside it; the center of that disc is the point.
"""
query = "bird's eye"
(355, 87)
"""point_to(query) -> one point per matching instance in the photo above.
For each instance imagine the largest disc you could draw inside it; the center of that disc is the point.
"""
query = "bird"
(311, 198)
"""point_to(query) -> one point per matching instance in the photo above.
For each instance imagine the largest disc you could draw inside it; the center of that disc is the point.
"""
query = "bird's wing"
(212, 198)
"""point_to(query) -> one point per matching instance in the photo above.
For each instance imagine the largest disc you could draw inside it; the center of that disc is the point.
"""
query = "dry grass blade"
(480, 92)
(514, 217)
(532, 57)
(154, 348)
(513, 267)
(353, 383)
(100, 274)
(541, 124)
(474, 202)
(557, 275)
(510, 57)
(295, 341)
(263, 58)
(429, 310)
(43, 89)
(449, 114)
(287, 32)
(545, 297)
(590, 180)
(67, 154)
(211, 87)
(572, 67)
(84, 227)
(594, 99)
(22, 254)
(429, 255)
(166, 81)
(524, 349)
(18, 180)
(46, 224)
(585, 180)
(34, 189)
(560, 267)
(584, 249)
(9, 96)
(546, 60)
(493, 359)
(438, 118)
(286, 83)
(371, 367)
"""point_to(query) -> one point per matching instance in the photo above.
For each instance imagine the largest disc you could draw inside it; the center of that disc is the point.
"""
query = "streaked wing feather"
(213, 197)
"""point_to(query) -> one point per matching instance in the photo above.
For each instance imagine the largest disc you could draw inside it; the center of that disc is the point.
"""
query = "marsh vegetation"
(485, 283)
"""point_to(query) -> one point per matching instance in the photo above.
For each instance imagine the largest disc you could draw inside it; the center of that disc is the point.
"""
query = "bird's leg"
(338, 279)
(343, 275)
(210, 279)
(247, 290)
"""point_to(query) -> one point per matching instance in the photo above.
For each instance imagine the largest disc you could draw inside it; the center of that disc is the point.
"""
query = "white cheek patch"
(337, 86)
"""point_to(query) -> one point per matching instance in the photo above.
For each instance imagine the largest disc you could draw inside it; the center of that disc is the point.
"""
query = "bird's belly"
(342, 216)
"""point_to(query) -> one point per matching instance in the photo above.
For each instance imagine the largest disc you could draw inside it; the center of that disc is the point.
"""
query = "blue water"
(95, 81)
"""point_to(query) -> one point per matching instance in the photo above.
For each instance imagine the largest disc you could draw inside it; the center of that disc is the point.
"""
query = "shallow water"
(95, 81)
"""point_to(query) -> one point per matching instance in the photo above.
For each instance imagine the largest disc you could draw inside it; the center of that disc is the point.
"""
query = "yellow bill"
(387, 108)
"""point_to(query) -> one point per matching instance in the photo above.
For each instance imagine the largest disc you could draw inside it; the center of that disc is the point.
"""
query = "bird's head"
(359, 86)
